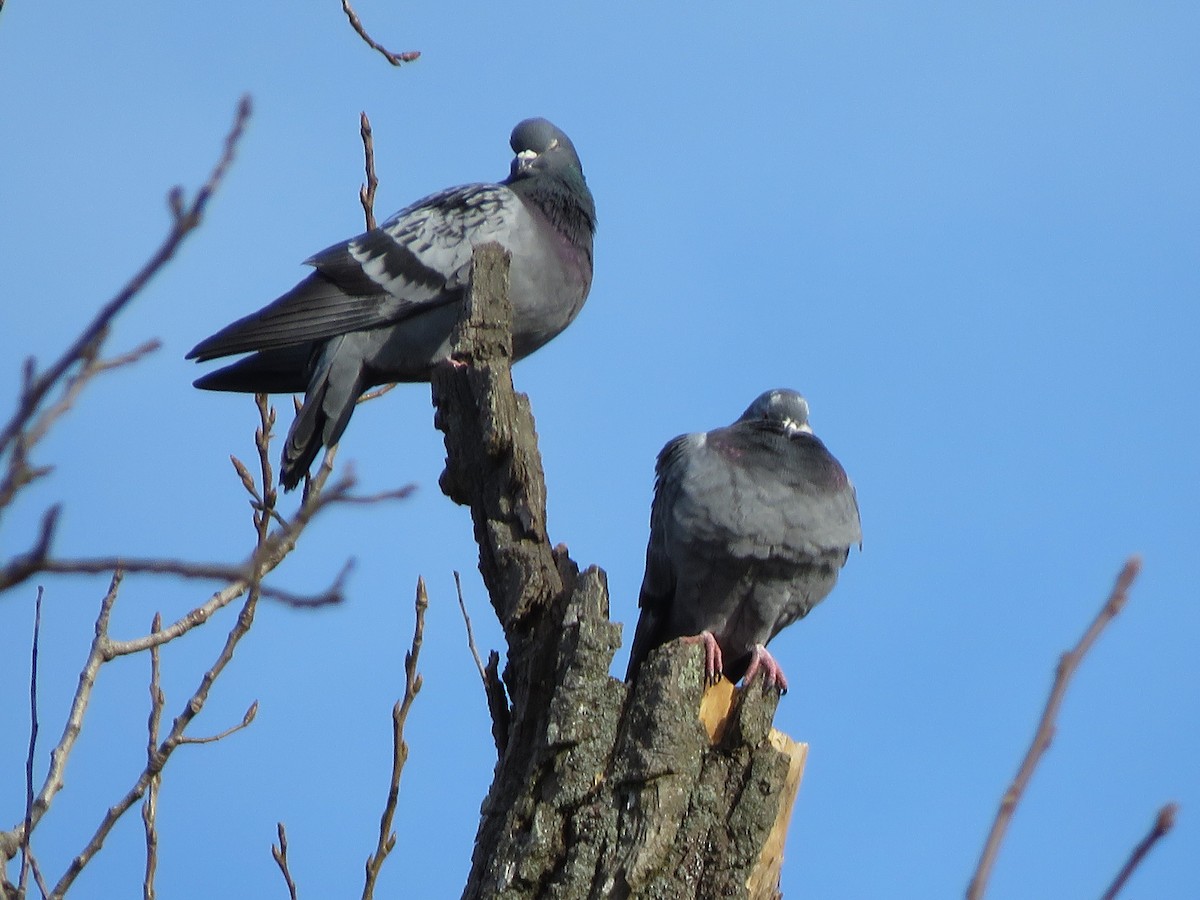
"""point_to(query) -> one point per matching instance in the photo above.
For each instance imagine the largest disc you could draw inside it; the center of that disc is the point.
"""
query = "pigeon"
(749, 528)
(380, 307)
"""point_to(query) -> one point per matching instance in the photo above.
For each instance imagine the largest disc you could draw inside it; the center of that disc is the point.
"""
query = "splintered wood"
(716, 710)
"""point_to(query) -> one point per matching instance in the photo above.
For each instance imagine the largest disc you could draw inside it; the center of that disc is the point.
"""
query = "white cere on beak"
(527, 155)
(794, 427)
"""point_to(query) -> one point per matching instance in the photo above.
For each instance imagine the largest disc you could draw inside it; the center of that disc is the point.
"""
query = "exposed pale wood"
(764, 880)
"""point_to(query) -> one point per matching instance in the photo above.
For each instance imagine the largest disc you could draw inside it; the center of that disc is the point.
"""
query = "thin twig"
(377, 393)
(61, 753)
(198, 571)
(493, 687)
(313, 484)
(281, 860)
(20, 472)
(25, 565)
(395, 59)
(366, 193)
(412, 687)
(95, 366)
(150, 806)
(1163, 822)
(213, 738)
(262, 442)
(1045, 731)
(271, 551)
(23, 882)
(38, 877)
(462, 605)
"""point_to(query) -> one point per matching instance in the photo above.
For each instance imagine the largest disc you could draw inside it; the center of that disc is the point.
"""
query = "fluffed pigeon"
(380, 307)
(749, 528)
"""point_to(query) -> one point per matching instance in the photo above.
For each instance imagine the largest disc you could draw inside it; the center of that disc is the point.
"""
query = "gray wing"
(659, 582)
(418, 259)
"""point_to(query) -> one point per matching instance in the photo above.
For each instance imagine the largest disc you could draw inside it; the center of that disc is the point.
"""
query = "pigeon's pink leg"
(713, 663)
(761, 659)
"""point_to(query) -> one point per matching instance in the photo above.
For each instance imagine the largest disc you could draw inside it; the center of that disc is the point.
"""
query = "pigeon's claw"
(714, 665)
(772, 673)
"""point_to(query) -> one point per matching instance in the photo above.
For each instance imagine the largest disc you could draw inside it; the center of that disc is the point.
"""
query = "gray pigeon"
(380, 307)
(749, 528)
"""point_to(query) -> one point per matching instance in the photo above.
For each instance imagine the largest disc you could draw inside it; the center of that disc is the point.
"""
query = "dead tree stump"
(600, 790)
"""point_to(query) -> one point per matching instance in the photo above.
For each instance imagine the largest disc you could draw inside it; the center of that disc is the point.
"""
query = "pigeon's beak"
(526, 160)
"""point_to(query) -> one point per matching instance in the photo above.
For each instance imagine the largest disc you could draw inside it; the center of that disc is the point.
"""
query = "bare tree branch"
(32, 420)
(10, 841)
(270, 495)
(280, 855)
(20, 472)
(25, 565)
(269, 554)
(242, 575)
(1163, 822)
(162, 754)
(37, 876)
(1045, 730)
(23, 882)
(271, 547)
(377, 393)
(186, 220)
(366, 193)
(395, 59)
(412, 687)
(314, 482)
(150, 805)
(462, 605)
(27, 426)
(158, 756)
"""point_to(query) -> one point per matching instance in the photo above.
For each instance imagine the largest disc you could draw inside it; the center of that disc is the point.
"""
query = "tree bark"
(602, 789)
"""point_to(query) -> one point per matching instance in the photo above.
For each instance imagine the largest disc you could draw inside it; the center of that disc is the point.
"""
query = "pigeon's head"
(541, 147)
(782, 407)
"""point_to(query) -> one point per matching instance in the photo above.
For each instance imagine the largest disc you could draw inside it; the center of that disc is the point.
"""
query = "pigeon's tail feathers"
(649, 634)
(282, 371)
(656, 601)
(333, 390)
(303, 443)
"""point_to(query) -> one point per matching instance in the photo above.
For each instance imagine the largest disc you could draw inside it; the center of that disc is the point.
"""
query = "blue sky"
(971, 236)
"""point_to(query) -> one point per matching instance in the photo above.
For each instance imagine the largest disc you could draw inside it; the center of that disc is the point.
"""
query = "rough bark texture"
(602, 789)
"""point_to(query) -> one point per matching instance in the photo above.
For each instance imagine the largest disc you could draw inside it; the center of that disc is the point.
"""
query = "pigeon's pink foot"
(713, 663)
(773, 675)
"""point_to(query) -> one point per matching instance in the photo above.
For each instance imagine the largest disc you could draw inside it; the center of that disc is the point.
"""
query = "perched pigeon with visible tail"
(380, 307)
(749, 528)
